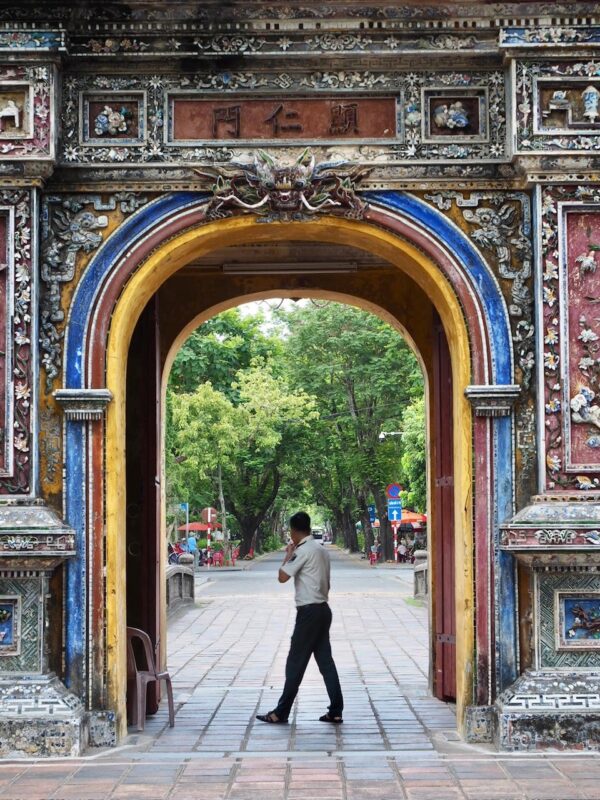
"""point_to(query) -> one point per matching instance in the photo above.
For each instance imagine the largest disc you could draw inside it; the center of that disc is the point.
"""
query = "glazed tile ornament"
(111, 122)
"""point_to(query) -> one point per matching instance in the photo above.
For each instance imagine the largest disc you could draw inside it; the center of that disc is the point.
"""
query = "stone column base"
(480, 724)
(550, 710)
(39, 717)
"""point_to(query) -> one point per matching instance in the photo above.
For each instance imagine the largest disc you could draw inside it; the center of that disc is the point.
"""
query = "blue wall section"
(141, 224)
(75, 606)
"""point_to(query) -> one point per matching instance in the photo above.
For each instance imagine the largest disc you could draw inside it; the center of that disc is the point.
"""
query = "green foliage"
(271, 543)
(414, 457)
(219, 349)
(291, 413)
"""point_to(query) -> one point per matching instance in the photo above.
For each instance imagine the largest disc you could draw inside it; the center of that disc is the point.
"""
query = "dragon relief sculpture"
(279, 192)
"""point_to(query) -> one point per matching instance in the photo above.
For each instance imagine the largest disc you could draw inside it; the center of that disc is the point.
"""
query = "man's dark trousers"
(310, 637)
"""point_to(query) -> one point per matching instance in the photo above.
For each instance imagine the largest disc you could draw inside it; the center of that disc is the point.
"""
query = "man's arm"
(289, 551)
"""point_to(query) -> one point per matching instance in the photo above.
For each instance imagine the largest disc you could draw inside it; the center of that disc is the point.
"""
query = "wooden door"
(442, 543)
(143, 490)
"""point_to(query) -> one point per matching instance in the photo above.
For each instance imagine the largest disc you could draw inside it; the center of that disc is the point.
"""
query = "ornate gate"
(454, 144)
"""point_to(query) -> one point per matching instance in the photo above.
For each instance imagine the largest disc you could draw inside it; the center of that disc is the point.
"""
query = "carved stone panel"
(112, 118)
(570, 282)
(557, 106)
(16, 370)
(26, 112)
(196, 117)
(568, 620)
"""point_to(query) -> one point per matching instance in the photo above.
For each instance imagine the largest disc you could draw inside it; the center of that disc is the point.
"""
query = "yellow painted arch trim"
(194, 243)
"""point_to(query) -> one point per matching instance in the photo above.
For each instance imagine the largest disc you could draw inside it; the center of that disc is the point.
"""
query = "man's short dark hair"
(300, 522)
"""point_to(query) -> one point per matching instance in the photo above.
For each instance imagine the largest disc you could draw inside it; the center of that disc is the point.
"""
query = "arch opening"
(142, 271)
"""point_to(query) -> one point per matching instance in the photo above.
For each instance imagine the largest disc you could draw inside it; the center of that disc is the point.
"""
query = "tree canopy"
(322, 407)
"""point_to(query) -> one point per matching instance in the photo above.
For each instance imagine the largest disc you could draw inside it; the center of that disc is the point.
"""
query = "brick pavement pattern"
(227, 659)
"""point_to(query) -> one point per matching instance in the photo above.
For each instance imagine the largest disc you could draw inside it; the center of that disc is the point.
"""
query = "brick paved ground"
(227, 660)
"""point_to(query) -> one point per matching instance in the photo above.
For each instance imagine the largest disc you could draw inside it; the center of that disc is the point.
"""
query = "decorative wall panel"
(26, 654)
(72, 225)
(570, 282)
(499, 223)
(440, 115)
(26, 112)
(569, 620)
(10, 625)
(16, 370)
(557, 106)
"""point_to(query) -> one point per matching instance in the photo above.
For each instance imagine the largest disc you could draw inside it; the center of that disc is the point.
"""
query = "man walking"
(307, 562)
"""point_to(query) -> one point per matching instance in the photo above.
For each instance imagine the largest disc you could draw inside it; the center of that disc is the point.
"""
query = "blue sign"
(395, 510)
(184, 506)
(372, 513)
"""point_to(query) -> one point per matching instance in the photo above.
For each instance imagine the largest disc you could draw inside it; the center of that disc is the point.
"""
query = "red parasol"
(198, 526)
(414, 519)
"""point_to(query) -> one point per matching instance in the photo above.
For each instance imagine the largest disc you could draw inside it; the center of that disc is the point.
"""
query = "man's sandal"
(272, 718)
(328, 718)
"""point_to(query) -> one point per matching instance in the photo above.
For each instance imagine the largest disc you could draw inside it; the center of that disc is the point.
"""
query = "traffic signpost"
(372, 513)
(395, 510)
(395, 532)
(209, 516)
(394, 513)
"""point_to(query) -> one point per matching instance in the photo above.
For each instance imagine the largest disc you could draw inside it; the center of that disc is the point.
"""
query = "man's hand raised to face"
(289, 552)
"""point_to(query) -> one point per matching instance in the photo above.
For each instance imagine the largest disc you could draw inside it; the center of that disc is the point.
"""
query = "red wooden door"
(442, 543)
(143, 490)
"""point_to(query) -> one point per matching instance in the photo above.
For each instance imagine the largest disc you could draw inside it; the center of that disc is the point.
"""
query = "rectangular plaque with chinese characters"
(231, 118)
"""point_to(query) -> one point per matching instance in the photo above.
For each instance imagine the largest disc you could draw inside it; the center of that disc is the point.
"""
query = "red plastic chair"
(218, 559)
(138, 679)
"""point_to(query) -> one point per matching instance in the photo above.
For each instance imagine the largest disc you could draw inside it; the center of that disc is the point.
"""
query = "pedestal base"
(39, 717)
(544, 710)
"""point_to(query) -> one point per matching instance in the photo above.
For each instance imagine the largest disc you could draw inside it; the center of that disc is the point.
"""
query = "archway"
(479, 345)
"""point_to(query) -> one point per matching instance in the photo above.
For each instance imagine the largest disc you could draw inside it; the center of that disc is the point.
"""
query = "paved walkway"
(227, 659)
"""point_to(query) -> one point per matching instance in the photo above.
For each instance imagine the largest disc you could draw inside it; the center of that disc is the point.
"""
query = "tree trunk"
(385, 529)
(350, 530)
(339, 527)
(247, 532)
(366, 521)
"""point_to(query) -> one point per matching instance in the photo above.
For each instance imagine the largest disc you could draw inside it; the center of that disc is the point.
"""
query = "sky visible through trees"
(277, 409)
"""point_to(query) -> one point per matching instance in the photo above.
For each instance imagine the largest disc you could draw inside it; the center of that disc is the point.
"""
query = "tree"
(219, 349)
(204, 436)
(293, 416)
(414, 457)
(273, 423)
(240, 447)
(364, 376)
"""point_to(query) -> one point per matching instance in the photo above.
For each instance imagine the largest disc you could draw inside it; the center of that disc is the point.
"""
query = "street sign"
(395, 510)
(209, 515)
(393, 490)
(372, 513)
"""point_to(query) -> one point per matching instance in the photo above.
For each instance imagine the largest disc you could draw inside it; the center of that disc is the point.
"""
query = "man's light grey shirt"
(310, 569)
